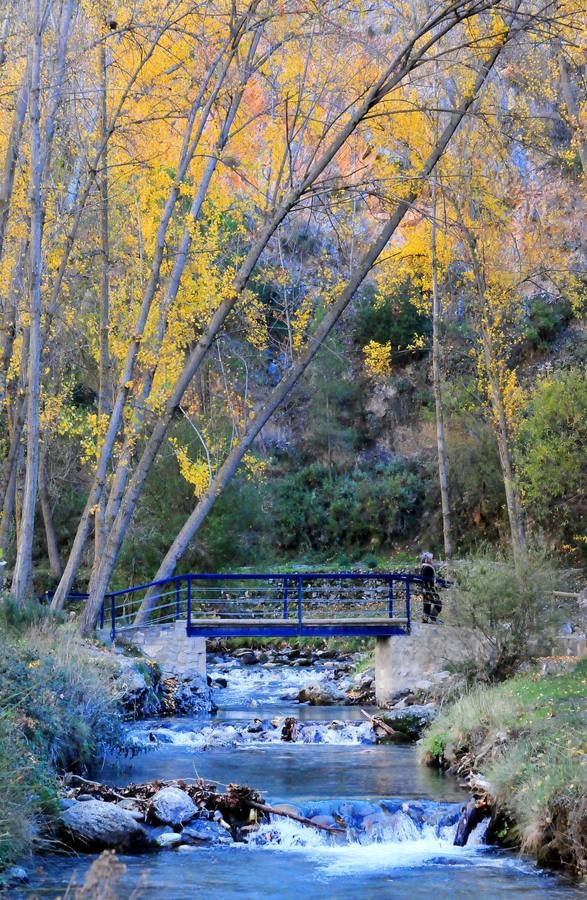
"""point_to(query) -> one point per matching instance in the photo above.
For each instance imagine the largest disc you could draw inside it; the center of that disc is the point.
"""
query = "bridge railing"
(321, 603)
(270, 603)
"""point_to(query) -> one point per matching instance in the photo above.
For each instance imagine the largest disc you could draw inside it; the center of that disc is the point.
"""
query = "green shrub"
(515, 612)
(395, 318)
(543, 323)
(317, 509)
(551, 458)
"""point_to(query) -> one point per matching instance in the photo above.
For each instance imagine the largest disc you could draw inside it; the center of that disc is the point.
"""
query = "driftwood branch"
(378, 723)
(289, 815)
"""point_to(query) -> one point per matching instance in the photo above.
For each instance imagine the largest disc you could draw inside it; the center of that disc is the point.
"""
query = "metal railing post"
(408, 597)
(178, 599)
(285, 597)
(113, 617)
(189, 601)
(102, 614)
(390, 599)
(300, 593)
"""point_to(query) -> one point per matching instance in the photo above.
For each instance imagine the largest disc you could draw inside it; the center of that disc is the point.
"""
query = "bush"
(551, 458)
(395, 318)
(317, 509)
(515, 612)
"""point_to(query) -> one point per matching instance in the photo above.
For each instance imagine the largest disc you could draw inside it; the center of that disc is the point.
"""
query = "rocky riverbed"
(329, 781)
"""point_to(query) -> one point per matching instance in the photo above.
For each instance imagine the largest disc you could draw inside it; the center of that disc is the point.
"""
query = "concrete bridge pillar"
(171, 648)
(404, 660)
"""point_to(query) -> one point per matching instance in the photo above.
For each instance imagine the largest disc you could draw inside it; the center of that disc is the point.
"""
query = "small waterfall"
(254, 732)
(393, 832)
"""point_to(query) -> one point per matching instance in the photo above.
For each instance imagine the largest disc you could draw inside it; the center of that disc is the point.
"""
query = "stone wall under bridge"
(171, 648)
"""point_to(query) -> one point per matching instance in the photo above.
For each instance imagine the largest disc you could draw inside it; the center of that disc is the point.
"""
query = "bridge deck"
(326, 627)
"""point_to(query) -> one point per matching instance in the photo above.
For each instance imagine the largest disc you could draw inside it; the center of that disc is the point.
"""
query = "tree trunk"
(12, 153)
(22, 577)
(437, 387)
(104, 398)
(190, 144)
(6, 523)
(512, 494)
(55, 564)
(500, 423)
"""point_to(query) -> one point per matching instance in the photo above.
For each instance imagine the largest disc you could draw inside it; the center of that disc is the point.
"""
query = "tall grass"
(57, 712)
(527, 735)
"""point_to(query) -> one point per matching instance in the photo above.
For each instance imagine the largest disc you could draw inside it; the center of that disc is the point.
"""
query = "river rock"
(172, 806)
(186, 696)
(169, 839)
(411, 720)
(96, 825)
(205, 832)
(320, 694)
(138, 681)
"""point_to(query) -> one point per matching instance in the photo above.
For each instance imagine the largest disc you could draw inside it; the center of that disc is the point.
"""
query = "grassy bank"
(527, 737)
(57, 712)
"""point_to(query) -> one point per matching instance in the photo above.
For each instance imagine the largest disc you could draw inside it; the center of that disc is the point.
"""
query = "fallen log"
(263, 807)
(378, 723)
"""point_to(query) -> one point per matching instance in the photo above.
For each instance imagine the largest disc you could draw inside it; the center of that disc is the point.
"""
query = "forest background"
(288, 281)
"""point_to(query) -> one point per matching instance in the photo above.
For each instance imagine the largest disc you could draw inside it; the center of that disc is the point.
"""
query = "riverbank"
(64, 703)
(527, 737)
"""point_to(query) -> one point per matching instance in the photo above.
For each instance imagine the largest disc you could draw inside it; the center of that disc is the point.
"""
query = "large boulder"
(138, 682)
(172, 806)
(186, 696)
(96, 825)
(321, 694)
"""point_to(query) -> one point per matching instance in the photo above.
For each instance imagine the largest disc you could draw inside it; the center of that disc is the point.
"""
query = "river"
(406, 852)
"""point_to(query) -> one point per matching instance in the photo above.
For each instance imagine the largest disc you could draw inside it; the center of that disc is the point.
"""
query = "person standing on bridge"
(432, 604)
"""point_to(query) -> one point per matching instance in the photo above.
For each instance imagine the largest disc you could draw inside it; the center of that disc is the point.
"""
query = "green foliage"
(316, 509)
(333, 426)
(475, 485)
(395, 318)
(514, 611)
(543, 323)
(551, 458)
(528, 735)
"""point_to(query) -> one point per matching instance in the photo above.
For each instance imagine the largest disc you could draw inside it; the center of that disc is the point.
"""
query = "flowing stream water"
(402, 816)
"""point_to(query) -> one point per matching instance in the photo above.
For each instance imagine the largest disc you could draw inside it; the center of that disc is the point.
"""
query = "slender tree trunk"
(512, 494)
(437, 385)
(574, 113)
(6, 523)
(12, 153)
(500, 422)
(104, 396)
(22, 577)
(190, 144)
(55, 565)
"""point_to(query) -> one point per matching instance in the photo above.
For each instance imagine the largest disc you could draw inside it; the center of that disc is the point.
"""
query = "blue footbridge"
(286, 604)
